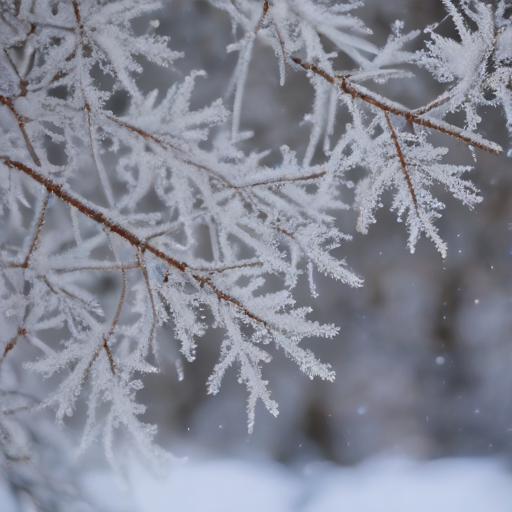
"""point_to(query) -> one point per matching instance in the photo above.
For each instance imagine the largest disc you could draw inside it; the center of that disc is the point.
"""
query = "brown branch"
(11, 264)
(21, 125)
(87, 370)
(262, 17)
(119, 305)
(315, 70)
(368, 97)
(23, 83)
(86, 208)
(109, 355)
(284, 232)
(227, 298)
(23, 408)
(97, 216)
(186, 160)
(47, 283)
(105, 339)
(403, 163)
(105, 344)
(239, 189)
(40, 222)
(167, 145)
(281, 40)
(142, 133)
(77, 13)
(436, 103)
(21, 332)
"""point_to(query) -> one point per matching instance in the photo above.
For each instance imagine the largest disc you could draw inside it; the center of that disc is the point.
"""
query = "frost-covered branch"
(163, 197)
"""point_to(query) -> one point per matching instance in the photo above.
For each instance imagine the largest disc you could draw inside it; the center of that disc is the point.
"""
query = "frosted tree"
(164, 198)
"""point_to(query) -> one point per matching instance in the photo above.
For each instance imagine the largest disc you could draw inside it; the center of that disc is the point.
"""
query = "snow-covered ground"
(379, 485)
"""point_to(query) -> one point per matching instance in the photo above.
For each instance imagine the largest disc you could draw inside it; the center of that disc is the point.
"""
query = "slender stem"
(39, 226)
(12, 343)
(364, 94)
(262, 17)
(122, 268)
(106, 338)
(242, 189)
(168, 145)
(281, 40)
(109, 355)
(21, 125)
(403, 163)
(230, 267)
(114, 323)
(91, 211)
(285, 180)
(436, 103)
(77, 13)
(96, 158)
(144, 270)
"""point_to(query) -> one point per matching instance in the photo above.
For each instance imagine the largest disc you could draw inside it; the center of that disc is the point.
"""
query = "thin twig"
(96, 159)
(87, 209)
(403, 163)
(114, 323)
(23, 83)
(168, 145)
(224, 269)
(77, 13)
(21, 125)
(240, 189)
(109, 355)
(285, 180)
(263, 15)
(39, 226)
(436, 103)
(364, 94)
(21, 332)
(281, 40)
(144, 270)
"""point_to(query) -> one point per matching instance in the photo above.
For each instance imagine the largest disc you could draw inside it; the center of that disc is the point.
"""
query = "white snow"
(378, 485)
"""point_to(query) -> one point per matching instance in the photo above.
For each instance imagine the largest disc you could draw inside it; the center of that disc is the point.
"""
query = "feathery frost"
(183, 228)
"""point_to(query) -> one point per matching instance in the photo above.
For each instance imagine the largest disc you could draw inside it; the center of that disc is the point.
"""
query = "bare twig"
(109, 355)
(403, 163)
(114, 323)
(364, 94)
(436, 103)
(263, 15)
(39, 226)
(168, 145)
(285, 180)
(96, 158)
(21, 332)
(21, 125)
(230, 267)
(88, 209)
(144, 270)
